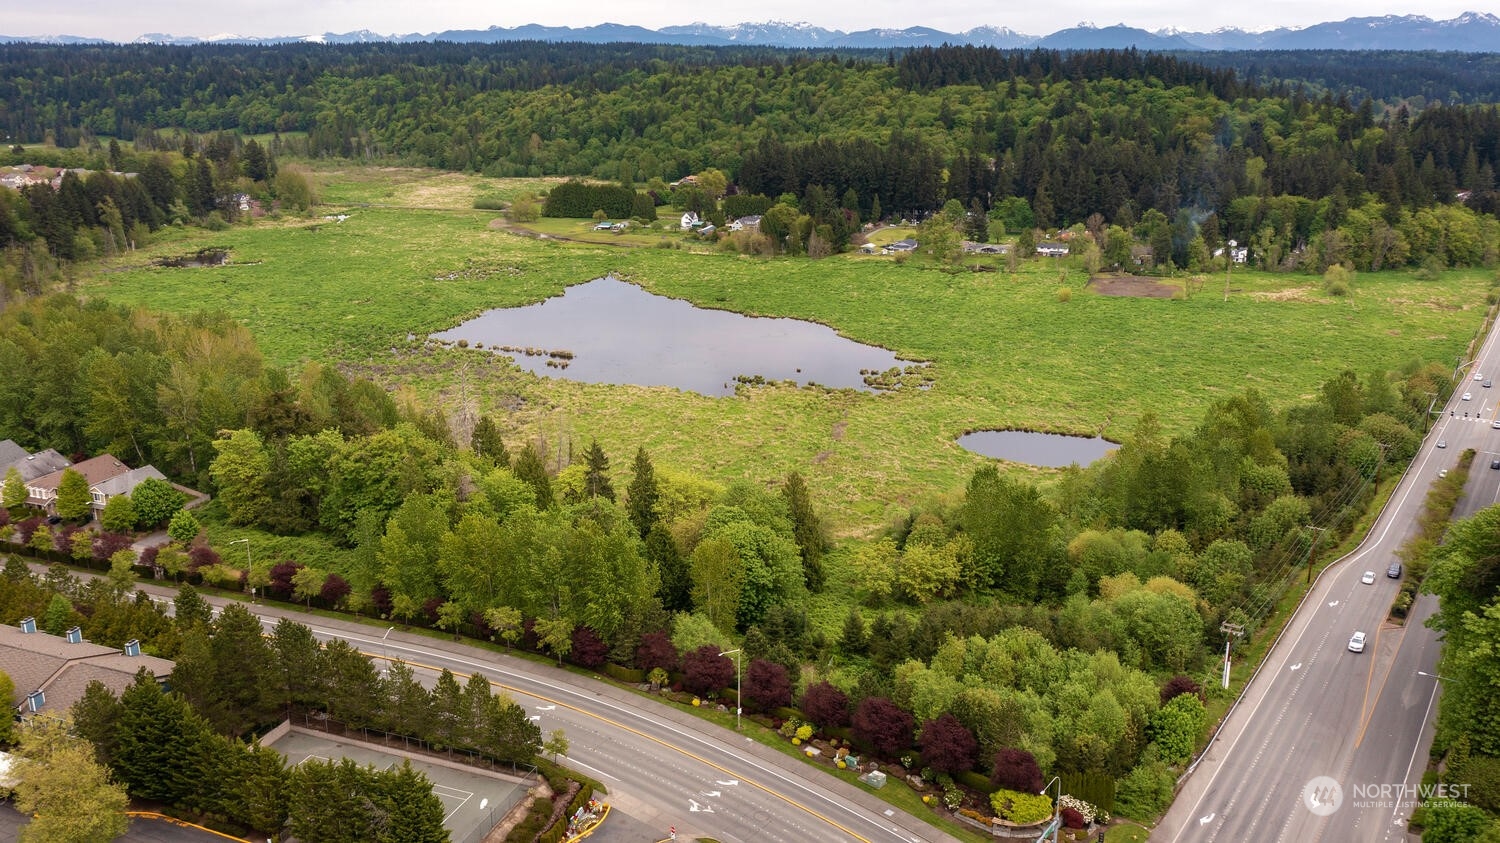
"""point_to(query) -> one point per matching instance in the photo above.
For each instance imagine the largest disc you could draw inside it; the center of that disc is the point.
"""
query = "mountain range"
(1472, 32)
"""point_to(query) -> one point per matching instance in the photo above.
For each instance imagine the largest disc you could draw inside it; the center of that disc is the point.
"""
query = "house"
(1239, 254)
(750, 223)
(706, 229)
(690, 220)
(51, 673)
(42, 491)
(685, 180)
(1051, 249)
(603, 226)
(30, 466)
(123, 484)
(868, 248)
(907, 245)
(972, 248)
(1143, 255)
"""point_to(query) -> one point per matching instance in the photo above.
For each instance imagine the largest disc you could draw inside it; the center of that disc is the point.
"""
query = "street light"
(249, 565)
(1433, 675)
(383, 653)
(1056, 809)
(737, 707)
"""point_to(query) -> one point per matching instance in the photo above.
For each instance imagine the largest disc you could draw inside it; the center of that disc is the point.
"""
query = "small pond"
(1049, 450)
(609, 331)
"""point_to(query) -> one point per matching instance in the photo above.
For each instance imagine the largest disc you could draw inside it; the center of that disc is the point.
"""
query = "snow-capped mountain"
(1469, 32)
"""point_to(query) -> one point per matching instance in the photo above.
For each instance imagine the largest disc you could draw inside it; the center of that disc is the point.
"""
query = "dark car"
(1494, 463)
(1394, 572)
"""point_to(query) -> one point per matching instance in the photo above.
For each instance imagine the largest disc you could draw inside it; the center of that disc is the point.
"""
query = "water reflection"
(1050, 450)
(608, 331)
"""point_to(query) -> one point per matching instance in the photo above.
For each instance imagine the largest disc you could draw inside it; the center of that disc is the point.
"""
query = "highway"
(663, 768)
(1314, 709)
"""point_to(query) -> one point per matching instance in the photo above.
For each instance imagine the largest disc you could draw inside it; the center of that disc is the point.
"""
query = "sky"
(258, 18)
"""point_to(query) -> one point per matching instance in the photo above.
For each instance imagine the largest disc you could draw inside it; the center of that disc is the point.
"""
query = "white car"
(1442, 472)
(1368, 578)
(1478, 376)
(1468, 396)
(1442, 443)
(1357, 643)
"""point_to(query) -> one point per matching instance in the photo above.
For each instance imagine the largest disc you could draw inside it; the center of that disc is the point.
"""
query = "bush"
(657, 650)
(1176, 726)
(1072, 819)
(767, 686)
(825, 705)
(1064, 294)
(1145, 791)
(1016, 769)
(947, 746)
(1449, 823)
(588, 650)
(1021, 808)
(1178, 685)
(881, 724)
(705, 672)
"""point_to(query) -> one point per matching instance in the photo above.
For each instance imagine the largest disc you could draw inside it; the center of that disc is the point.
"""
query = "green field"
(414, 257)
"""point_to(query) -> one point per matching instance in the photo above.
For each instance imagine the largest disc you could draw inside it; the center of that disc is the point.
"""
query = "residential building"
(51, 673)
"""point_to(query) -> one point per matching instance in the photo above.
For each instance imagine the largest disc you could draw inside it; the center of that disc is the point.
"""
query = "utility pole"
(1312, 549)
(1231, 631)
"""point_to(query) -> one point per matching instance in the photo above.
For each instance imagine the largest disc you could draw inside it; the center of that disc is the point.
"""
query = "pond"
(609, 331)
(1049, 450)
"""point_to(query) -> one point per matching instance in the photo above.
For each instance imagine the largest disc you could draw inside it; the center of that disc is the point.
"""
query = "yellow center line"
(787, 799)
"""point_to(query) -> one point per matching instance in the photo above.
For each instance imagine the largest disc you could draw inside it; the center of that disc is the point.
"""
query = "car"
(1442, 443)
(1442, 472)
(1394, 571)
(1495, 424)
(1357, 642)
(1478, 376)
(1368, 578)
(1487, 383)
(1468, 396)
(1494, 463)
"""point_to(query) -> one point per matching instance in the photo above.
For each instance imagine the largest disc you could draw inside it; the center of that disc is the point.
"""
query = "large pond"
(1050, 450)
(608, 331)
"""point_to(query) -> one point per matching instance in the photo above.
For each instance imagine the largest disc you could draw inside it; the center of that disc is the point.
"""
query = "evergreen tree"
(676, 582)
(96, 718)
(408, 809)
(530, 469)
(643, 493)
(297, 673)
(807, 529)
(189, 609)
(161, 745)
(242, 674)
(596, 479)
(486, 442)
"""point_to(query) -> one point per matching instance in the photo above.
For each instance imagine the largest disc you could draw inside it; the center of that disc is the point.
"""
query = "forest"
(1161, 147)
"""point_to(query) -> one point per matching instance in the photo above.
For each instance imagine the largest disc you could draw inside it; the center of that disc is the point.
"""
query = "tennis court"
(473, 800)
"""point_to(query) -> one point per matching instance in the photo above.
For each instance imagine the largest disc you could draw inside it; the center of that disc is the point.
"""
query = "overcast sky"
(125, 21)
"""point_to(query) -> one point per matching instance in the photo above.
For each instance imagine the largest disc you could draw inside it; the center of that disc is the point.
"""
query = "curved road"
(663, 767)
(1314, 709)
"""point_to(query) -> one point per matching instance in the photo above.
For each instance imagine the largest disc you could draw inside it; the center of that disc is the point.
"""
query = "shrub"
(1146, 790)
(705, 672)
(1072, 819)
(882, 725)
(1021, 808)
(1180, 684)
(1175, 728)
(656, 650)
(1016, 769)
(588, 650)
(767, 686)
(825, 705)
(1064, 294)
(947, 746)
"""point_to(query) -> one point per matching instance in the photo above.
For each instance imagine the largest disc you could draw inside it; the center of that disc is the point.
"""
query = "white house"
(1050, 249)
(690, 220)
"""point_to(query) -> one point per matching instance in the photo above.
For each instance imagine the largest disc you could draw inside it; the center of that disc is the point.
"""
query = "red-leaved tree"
(882, 724)
(335, 588)
(766, 686)
(1016, 769)
(947, 745)
(705, 672)
(825, 705)
(1179, 685)
(588, 651)
(657, 650)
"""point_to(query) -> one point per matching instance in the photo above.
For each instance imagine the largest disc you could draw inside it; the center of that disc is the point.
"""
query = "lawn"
(414, 257)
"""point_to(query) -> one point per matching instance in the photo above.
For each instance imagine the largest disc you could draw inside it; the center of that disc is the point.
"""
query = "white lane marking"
(572, 760)
(712, 793)
(1297, 666)
(1208, 819)
(730, 783)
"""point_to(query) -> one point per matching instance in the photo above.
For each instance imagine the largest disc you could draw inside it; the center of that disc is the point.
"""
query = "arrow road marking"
(1208, 819)
(694, 807)
(1334, 603)
(730, 783)
(1297, 666)
(711, 793)
(545, 707)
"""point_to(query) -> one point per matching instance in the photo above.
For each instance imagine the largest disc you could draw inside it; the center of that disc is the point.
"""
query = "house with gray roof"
(51, 673)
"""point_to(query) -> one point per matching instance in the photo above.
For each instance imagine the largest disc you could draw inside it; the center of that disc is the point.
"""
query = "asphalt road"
(1315, 709)
(663, 768)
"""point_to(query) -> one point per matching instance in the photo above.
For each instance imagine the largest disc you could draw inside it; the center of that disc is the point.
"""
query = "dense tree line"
(1115, 133)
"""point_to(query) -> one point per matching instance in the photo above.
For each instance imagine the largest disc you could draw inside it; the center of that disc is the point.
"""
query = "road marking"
(730, 783)
(546, 708)
(712, 793)
(1297, 666)
(595, 769)
(638, 733)
(695, 808)
(1208, 819)
(1333, 603)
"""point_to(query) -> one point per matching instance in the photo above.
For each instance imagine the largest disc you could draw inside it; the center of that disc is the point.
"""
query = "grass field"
(414, 257)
